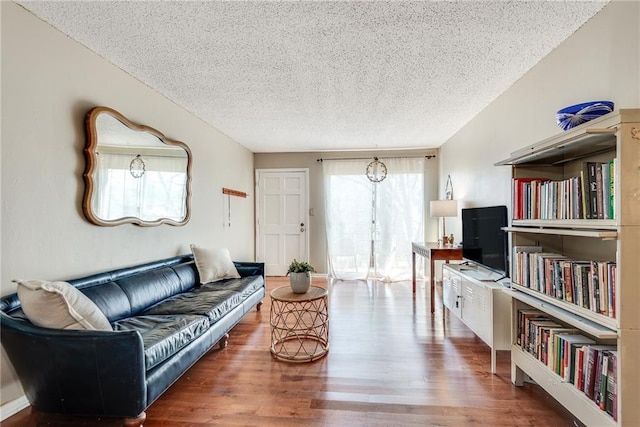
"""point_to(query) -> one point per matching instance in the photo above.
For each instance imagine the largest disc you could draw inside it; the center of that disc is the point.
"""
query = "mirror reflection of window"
(159, 192)
(134, 173)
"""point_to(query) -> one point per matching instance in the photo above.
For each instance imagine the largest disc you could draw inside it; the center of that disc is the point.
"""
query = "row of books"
(588, 196)
(577, 359)
(588, 284)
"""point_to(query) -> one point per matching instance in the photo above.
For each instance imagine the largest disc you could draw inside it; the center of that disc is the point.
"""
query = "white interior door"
(282, 218)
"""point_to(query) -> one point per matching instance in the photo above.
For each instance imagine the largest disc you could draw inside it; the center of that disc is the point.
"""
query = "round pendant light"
(376, 170)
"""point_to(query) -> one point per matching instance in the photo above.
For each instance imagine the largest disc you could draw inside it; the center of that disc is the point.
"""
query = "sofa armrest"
(249, 268)
(77, 372)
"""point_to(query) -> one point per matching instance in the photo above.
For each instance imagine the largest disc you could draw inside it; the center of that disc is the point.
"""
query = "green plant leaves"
(300, 267)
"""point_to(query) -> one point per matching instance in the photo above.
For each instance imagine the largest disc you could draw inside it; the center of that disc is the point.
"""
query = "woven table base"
(299, 324)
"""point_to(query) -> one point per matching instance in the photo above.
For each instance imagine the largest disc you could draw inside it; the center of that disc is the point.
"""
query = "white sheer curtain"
(348, 216)
(370, 226)
(160, 191)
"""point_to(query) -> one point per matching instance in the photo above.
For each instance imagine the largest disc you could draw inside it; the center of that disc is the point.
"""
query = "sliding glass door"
(370, 226)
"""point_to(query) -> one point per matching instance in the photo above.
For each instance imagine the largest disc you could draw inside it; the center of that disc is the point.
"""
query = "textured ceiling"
(315, 76)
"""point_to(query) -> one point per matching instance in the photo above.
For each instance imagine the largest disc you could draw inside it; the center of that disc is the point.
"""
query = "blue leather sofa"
(163, 321)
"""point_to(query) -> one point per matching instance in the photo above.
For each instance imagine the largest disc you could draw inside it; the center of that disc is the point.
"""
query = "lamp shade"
(443, 208)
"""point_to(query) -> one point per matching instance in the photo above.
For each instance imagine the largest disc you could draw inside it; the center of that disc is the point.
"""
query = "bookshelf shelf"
(570, 397)
(581, 224)
(548, 181)
(582, 141)
(594, 324)
(601, 234)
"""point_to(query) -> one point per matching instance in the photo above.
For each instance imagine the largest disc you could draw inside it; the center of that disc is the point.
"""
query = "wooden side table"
(434, 252)
(299, 324)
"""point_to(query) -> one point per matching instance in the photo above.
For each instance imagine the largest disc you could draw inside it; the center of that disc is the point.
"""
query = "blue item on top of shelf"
(575, 115)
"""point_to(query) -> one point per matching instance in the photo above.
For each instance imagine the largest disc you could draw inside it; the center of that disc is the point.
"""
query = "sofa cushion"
(110, 299)
(245, 285)
(150, 287)
(212, 304)
(214, 264)
(188, 275)
(164, 336)
(59, 305)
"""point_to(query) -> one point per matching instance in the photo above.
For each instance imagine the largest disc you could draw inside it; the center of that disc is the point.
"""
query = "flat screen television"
(483, 240)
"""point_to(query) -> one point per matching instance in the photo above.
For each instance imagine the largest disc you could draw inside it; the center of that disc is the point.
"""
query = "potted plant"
(300, 276)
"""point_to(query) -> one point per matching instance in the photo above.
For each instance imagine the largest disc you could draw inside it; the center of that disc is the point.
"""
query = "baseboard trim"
(13, 407)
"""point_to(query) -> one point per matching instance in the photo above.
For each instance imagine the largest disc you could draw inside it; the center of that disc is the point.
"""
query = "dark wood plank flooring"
(390, 364)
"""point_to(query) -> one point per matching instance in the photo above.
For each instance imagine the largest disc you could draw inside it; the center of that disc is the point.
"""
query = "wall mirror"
(134, 174)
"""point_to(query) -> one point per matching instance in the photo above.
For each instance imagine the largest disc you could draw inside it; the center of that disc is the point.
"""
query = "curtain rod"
(428, 156)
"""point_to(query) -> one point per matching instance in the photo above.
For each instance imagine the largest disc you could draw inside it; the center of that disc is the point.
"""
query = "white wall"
(49, 83)
(601, 61)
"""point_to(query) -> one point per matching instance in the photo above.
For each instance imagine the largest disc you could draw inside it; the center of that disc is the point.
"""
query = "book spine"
(612, 285)
(606, 188)
(614, 408)
(517, 199)
(599, 191)
(558, 281)
(568, 282)
(612, 186)
(577, 281)
(526, 189)
(579, 202)
(597, 378)
(590, 371)
(584, 194)
(570, 368)
(579, 381)
(592, 190)
(604, 292)
(595, 283)
(602, 395)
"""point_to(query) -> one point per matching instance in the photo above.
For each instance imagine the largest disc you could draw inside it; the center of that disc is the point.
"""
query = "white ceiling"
(322, 76)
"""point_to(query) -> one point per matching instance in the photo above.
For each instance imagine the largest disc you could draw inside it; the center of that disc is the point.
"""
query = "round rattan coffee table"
(299, 324)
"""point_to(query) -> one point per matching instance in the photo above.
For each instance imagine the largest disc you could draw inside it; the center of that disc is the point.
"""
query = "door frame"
(257, 176)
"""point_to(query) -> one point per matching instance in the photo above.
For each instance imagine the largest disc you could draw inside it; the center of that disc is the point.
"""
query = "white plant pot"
(300, 282)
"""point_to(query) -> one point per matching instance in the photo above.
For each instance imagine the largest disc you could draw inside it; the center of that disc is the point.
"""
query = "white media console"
(475, 295)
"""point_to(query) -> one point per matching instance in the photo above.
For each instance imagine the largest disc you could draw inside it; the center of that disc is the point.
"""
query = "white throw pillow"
(214, 264)
(59, 305)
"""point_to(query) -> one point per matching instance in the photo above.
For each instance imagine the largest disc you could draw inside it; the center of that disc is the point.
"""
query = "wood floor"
(390, 363)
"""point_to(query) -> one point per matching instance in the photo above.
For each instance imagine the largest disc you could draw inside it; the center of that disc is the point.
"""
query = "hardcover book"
(599, 191)
(612, 198)
(571, 344)
(591, 368)
(591, 189)
(611, 396)
(606, 189)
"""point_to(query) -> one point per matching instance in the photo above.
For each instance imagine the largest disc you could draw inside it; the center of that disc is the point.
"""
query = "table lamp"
(443, 209)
